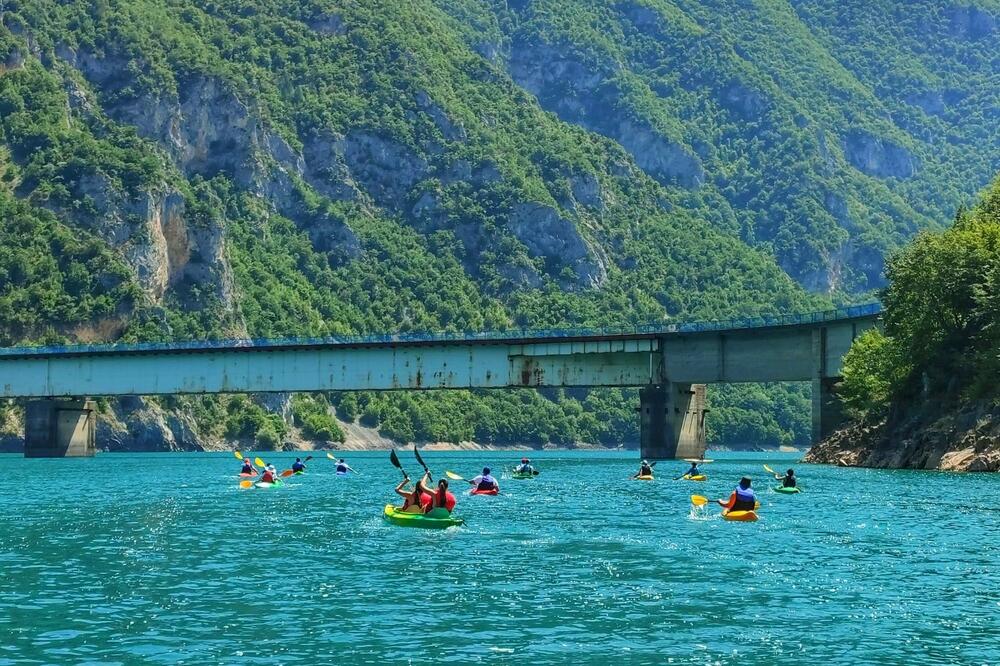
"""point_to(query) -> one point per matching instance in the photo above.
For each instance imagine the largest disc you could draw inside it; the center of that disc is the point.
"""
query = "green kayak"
(438, 519)
(264, 486)
(786, 491)
(523, 475)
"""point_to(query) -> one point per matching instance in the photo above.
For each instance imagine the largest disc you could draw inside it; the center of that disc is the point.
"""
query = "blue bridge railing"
(741, 323)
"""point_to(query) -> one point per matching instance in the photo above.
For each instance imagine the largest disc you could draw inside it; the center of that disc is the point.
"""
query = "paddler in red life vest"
(268, 476)
(248, 468)
(415, 501)
(742, 499)
(440, 498)
(485, 481)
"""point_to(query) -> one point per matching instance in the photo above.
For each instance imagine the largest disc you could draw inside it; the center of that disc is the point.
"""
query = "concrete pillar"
(672, 421)
(58, 428)
(827, 410)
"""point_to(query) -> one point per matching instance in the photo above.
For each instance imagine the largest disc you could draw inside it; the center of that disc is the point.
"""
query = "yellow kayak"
(744, 516)
(644, 477)
(696, 477)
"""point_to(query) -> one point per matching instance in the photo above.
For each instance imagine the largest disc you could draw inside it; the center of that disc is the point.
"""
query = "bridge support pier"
(60, 428)
(827, 410)
(672, 421)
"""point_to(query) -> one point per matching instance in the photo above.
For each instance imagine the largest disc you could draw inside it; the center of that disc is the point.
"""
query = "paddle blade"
(246, 484)
(331, 456)
(699, 500)
(453, 476)
(394, 459)
(259, 462)
(308, 458)
(653, 464)
(239, 456)
(769, 470)
(419, 459)
(287, 473)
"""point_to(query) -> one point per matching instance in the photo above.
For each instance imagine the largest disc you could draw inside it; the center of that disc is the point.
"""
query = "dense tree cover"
(87, 135)
(828, 132)
(942, 319)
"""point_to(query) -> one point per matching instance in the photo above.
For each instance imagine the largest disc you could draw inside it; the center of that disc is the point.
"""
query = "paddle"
(455, 477)
(699, 500)
(246, 484)
(422, 463)
(769, 470)
(394, 459)
(331, 456)
(259, 462)
(239, 456)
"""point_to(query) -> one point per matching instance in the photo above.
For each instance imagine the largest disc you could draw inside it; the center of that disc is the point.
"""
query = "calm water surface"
(159, 558)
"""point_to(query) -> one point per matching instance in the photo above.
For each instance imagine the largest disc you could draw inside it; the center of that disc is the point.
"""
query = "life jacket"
(746, 500)
(267, 478)
(247, 469)
(425, 501)
(448, 501)
(342, 469)
(298, 467)
(645, 470)
(487, 482)
(788, 482)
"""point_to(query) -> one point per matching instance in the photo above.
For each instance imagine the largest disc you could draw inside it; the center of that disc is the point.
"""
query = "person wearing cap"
(248, 468)
(788, 480)
(645, 469)
(525, 467)
(343, 467)
(298, 465)
(485, 481)
(270, 474)
(741, 499)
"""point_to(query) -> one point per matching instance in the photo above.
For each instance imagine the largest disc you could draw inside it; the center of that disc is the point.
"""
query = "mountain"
(180, 169)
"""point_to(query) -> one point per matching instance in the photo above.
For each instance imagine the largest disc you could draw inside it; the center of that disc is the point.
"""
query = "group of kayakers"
(269, 473)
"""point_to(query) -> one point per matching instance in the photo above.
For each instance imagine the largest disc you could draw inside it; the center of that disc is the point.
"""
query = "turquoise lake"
(161, 559)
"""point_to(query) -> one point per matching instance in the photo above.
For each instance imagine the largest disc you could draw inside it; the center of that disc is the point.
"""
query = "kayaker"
(694, 471)
(269, 474)
(298, 465)
(343, 467)
(788, 480)
(485, 481)
(645, 469)
(248, 468)
(413, 501)
(440, 498)
(525, 467)
(742, 499)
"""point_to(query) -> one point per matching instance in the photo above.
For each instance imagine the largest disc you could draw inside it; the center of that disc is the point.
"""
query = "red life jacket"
(267, 478)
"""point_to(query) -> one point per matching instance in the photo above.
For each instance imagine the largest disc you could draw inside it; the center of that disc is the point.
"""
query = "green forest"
(172, 169)
(942, 320)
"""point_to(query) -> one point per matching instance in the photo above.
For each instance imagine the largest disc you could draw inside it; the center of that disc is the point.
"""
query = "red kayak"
(484, 492)
(247, 475)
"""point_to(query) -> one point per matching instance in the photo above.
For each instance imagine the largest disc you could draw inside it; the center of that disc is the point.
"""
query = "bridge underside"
(670, 370)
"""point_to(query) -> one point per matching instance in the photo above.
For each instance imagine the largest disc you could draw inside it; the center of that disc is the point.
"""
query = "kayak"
(494, 491)
(342, 473)
(644, 477)
(247, 475)
(743, 516)
(438, 519)
(696, 477)
(298, 473)
(263, 485)
(522, 475)
(787, 491)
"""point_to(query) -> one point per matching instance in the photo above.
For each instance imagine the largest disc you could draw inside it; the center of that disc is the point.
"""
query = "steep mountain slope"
(201, 169)
(824, 133)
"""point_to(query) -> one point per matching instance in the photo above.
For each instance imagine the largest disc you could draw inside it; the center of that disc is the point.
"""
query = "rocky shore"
(963, 439)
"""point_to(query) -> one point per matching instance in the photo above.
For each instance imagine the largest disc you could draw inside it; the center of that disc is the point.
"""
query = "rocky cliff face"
(966, 439)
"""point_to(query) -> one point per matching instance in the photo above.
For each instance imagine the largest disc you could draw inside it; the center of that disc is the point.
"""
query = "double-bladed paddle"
(422, 463)
(394, 459)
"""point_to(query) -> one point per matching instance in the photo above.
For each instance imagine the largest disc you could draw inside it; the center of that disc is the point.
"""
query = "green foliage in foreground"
(942, 320)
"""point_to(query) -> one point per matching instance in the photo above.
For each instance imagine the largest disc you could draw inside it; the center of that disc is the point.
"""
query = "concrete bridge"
(669, 363)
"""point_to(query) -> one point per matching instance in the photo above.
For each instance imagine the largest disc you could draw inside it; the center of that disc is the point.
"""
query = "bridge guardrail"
(742, 323)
